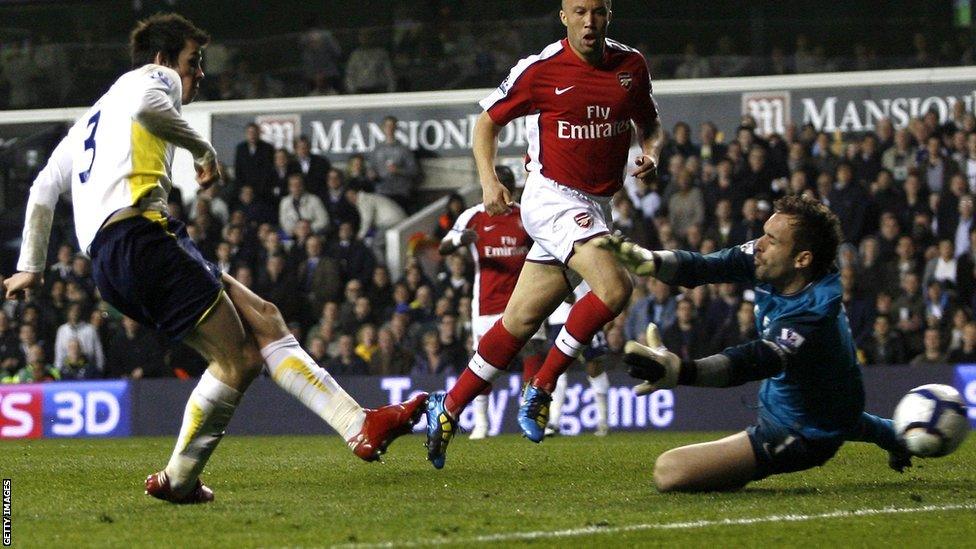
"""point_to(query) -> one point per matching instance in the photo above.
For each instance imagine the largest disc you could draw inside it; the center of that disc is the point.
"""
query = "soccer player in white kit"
(116, 162)
(582, 98)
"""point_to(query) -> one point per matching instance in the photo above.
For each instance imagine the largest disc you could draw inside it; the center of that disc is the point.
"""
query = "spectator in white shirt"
(76, 328)
(376, 212)
(299, 205)
(942, 268)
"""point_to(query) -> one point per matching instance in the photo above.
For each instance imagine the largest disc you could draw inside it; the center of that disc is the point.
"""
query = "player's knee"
(616, 292)
(268, 325)
(668, 473)
(522, 323)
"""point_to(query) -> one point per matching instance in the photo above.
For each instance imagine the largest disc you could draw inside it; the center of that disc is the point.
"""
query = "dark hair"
(164, 33)
(815, 229)
(506, 177)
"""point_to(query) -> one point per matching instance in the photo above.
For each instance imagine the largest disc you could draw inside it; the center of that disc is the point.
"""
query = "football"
(931, 420)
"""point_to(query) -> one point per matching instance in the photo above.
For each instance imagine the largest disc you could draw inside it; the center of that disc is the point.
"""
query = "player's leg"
(368, 432)
(600, 385)
(540, 288)
(721, 465)
(480, 324)
(220, 338)
(610, 289)
(480, 406)
(763, 449)
(147, 268)
(881, 431)
(535, 354)
(556, 407)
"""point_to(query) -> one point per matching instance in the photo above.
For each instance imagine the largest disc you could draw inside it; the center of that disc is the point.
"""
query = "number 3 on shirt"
(90, 144)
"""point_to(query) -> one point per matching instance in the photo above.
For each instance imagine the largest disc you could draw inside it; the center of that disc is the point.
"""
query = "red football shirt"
(499, 254)
(578, 116)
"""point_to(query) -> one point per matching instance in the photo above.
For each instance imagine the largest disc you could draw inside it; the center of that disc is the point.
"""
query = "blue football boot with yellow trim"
(533, 413)
(440, 429)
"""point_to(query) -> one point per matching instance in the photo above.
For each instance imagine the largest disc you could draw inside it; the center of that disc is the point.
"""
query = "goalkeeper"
(812, 399)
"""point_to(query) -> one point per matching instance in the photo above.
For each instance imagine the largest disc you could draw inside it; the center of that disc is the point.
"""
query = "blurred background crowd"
(305, 232)
(55, 54)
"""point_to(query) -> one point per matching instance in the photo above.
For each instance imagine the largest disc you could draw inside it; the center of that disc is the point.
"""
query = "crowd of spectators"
(299, 230)
(425, 51)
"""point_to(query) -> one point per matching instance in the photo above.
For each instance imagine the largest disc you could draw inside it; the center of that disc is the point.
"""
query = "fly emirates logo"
(599, 126)
(509, 248)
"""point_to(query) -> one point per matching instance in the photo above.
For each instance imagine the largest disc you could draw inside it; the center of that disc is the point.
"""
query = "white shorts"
(480, 325)
(557, 217)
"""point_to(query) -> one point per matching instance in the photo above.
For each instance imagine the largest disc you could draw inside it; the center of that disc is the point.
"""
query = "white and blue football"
(931, 420)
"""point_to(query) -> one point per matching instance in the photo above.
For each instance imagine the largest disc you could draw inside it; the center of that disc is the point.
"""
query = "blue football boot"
(533, 413)
(440, 429)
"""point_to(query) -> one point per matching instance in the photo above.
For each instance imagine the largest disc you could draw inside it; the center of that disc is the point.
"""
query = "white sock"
(480, 406)
(601, 386)
(294, 371)
(208, 411)
(558, 398)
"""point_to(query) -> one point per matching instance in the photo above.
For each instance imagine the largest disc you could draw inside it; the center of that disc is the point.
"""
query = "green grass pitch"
(586, 491)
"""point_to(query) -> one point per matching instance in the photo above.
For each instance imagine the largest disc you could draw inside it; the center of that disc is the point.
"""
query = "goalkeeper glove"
(634, 258)
(653, 363)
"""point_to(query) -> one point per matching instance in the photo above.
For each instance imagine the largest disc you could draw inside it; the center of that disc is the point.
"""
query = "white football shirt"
(118, 154)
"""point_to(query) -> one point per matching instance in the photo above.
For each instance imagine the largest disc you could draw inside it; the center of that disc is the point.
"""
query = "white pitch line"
(690, 525)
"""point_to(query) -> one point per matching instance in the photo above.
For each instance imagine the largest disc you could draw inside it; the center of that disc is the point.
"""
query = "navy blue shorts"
(153, 273)
(779, 449)
(593, 351)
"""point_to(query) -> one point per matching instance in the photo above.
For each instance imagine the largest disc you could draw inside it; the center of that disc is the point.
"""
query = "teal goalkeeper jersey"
(818, 390)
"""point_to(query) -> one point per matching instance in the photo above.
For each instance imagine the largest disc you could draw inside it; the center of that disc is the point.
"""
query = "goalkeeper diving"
(812, 399)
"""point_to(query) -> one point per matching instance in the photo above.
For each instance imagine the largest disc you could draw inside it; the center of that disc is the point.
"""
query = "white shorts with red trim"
(557, 217)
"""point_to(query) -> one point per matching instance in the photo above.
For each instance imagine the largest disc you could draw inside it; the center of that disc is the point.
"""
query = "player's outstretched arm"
(635, 258)
(53, 180)
(680, 267)
(662, 369)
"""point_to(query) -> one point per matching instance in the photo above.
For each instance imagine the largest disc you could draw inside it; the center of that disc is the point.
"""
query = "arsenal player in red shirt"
(582, 98)
(498, 245)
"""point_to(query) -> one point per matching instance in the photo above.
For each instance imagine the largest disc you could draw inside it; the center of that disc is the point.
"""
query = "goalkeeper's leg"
(881, 431)
(727, 464)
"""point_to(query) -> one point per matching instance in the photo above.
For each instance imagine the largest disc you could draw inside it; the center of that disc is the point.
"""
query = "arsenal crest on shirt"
(583, 219)
(625, 79)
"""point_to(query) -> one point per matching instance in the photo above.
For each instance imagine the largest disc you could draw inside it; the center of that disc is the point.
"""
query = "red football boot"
(383, 425)
(157, 486)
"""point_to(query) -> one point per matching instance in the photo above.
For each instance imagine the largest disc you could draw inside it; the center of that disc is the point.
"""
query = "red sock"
(495, 352)
(531, 365)
(587, 316)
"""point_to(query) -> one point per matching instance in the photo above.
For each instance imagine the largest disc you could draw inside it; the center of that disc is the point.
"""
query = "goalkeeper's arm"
(662, 369)
(683, 268)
